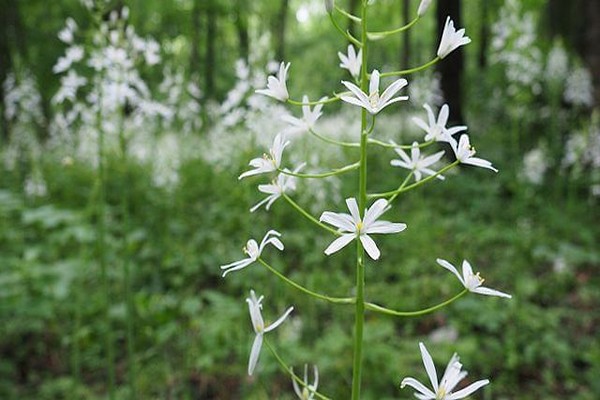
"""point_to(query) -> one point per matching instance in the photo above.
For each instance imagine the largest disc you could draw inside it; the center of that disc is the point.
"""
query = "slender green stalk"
(383, 310)
(126, 228)
(333, 141)
(382, 34)
(412, 70)
(314, 103)
(288, 370)
(101, 254)
(308, 215)
(337, 171)
(359, 317)
(414, 185)
(336, 300)
(391, 199)
(347, 14)
(346, 34)
(398, 146)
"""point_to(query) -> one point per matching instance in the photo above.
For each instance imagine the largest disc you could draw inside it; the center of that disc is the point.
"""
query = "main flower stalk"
(362, 204)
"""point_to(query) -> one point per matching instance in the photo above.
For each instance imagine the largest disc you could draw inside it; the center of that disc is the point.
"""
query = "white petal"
(374, 82)
(236, 266)
(254, 353)
(490, 292)
(339, 243)
(360, 95)
(421, 124)
(461, 394)
(415, 384)
(339, 220)
(385, 227)
(370, 247)
(452, 269)
(279, 320)
(391, 90)
(479, 162)
(353, 207)
(429, 367)
(375, 211)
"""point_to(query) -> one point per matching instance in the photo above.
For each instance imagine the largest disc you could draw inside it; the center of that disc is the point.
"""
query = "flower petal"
(452, 269)
(254, 353)
(353, 207)
(429, 367)
(370, 247)
(339, 243)
(385, 227)
(461, 394)
(375, 211)
(279, 320)
(415, 384)
(236, 266)
(339, 220)
(490, 292)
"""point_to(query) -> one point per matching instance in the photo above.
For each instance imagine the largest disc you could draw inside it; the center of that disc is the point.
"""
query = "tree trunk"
(195, 39)
(241, 27)
(280, 28)
(451, 67)
(405, 62)
(484, 35)
(209, 59)
(592, 55)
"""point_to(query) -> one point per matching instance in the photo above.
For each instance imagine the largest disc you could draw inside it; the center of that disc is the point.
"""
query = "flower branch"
(344, 33)
(387, 311)
(308, 215)
(373, 36)
(412, 70)
(337, 171)
(333, 141)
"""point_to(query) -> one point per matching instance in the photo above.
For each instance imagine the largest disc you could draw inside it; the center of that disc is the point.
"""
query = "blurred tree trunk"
(451, 67)
(196, 35)
(241, 26)
(211, 39)
(406, 38)
(484, 34)
(280, 28)
(593, 45)
(352, 9)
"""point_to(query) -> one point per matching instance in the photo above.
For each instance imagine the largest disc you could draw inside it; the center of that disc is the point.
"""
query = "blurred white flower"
(352, 226)
(352, 62)
(417, 163)
(255, 306)
(436, 130)
(69, 84)
(253, 250)
(373, 103)
(73, 54)
(308, 390)
(451, 39)
(309, 117)
(423, 6)
(535, 165)
(277, 87)
(282, 184)
(579, 89)
(268, 163)
(66, 35)
(442, 390)
(471, 281)
(464, 153)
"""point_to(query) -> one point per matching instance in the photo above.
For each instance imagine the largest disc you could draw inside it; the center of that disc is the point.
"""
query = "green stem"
(399, 146)
(337, 171)
(383, 310)
(288, 370)
(411, 70)
(314, 103)
(391, 199)
(347, 14)
(414, 185)
(333, 141)
(308, 216)
(336, 300)
(344, 33)
(382, 34)
(359, 317)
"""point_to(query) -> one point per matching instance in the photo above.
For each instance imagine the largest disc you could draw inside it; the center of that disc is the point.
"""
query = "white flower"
(451, 39)
(308, 391)
(423, 6)
(436, 130)
(282, 184)
(254, 250)
(373, 102)
(255, 306)
(416, 163)
(469, 280)
(329, 6)
(464, 153)
(73, 54)
(353, 226)
(444, 389)
(66, 34)
(277, 87)
(270, 162)
(352, 62)
(309, 117)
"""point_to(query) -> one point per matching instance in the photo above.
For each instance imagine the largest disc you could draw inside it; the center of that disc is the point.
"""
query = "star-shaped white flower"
(269, 162)
(451, 39)
(277, 87)
(423, 6)
(352, 62)
(444, 389)
(373, 103)
(282, 184)
(309, 117)
(253, 250)
(255, 307)
(436, 130)
(464, 153)
(308, 391)
(352, 226)
(471, 281)
(416, 163)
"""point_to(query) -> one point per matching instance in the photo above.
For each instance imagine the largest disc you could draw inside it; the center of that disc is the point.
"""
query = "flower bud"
(423, 7)
(329, 6)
